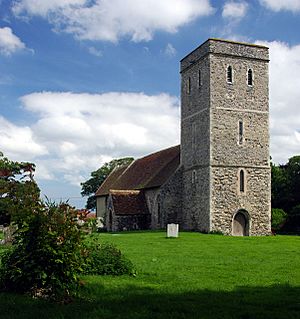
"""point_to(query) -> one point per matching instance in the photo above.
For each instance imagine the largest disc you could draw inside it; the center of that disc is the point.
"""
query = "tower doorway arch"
(240, 223)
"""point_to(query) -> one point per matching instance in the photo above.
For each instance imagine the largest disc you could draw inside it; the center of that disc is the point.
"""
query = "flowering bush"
(46, 255)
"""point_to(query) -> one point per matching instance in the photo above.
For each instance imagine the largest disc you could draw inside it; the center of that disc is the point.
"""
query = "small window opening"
(194, 128)
(188, 89)
(250, 77)
(158, 210)
(242, 181)
(194, 177)
(229, 74)
(241, 132)
(199, 79)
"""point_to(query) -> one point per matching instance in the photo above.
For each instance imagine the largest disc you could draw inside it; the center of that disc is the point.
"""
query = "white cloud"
(111, 20)
(170, 51)
(278, 5)
(76, 133)
(44, 7)
(18, 142)
(234, 10)
(284, 100)
(95, 52)
(9, 42)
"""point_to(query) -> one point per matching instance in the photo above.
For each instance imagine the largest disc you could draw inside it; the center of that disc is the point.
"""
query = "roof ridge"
(126, 191)
(162, 150)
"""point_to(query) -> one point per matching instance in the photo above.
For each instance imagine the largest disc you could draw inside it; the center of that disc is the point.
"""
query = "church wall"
(196, 197)
(225, 147)
(231, 103)
(195, 141)
(170, 201)
(101, 206)
(210, 120)
(131, 222)
(239, 95)
(195, 147)
(197, 99)
(227, 200)
(151, 199)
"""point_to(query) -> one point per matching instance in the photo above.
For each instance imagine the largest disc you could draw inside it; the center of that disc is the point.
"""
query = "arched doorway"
(240, 223)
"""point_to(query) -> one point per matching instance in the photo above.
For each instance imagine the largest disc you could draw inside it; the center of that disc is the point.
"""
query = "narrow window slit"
(199, 79)
(188, 89)
(229, 74)
(242, 181)
(250, 77)
(241, 132)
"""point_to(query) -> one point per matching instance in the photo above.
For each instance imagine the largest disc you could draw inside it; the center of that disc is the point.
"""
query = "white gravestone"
(172, 230)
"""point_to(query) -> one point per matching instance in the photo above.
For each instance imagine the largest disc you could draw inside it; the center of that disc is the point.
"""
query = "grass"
(194, 276)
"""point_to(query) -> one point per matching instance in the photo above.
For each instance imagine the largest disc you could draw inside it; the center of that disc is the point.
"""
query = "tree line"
(286, 194)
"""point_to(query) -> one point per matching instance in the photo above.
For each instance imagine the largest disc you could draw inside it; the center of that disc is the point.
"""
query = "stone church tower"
(225, 139)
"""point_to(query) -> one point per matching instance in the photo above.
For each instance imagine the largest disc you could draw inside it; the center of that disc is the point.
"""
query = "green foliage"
(286, 184)
(285, 192)
(89, 187)
(279, 186)
(46, 255)
(197, 276)
(47, 251)
(278, 218)
(106, 259)
(18, 190)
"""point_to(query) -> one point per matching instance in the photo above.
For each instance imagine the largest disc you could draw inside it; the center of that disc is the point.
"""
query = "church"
(218, 179)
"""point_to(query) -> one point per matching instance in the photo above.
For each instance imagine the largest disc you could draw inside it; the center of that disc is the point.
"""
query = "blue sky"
(85, 81)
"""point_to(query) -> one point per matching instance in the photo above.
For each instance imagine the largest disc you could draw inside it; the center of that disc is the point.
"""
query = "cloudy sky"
(85, 81)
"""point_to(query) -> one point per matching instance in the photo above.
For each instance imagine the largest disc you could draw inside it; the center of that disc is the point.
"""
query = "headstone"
(172, 230)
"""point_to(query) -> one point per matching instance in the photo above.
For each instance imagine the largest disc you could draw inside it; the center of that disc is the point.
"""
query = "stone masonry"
(225, 130)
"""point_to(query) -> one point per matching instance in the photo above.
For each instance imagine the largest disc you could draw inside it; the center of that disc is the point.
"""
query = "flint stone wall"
(130, 222)
(217, 107)
(227, 200)
(170, 200)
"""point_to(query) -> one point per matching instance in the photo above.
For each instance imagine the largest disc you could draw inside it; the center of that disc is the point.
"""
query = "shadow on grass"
(278, 301)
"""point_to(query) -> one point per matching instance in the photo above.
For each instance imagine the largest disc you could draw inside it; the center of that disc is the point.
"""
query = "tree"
(285, 192)
(280, 192)
(17, 187)
(89, 187)
(293, 176)
(46, 254)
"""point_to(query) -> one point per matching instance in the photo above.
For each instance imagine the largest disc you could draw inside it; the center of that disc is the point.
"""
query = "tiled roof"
(147, 172)
(128, 202)
(110, 180)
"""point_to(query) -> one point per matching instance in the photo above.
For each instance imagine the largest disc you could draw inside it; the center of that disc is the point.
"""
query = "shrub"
(279, 217)
(106, 259)
(46, 255)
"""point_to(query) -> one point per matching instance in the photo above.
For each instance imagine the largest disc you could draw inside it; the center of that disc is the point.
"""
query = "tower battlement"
(225, 47)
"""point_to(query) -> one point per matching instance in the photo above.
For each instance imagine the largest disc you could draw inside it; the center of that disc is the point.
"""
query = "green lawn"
(194, 276)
